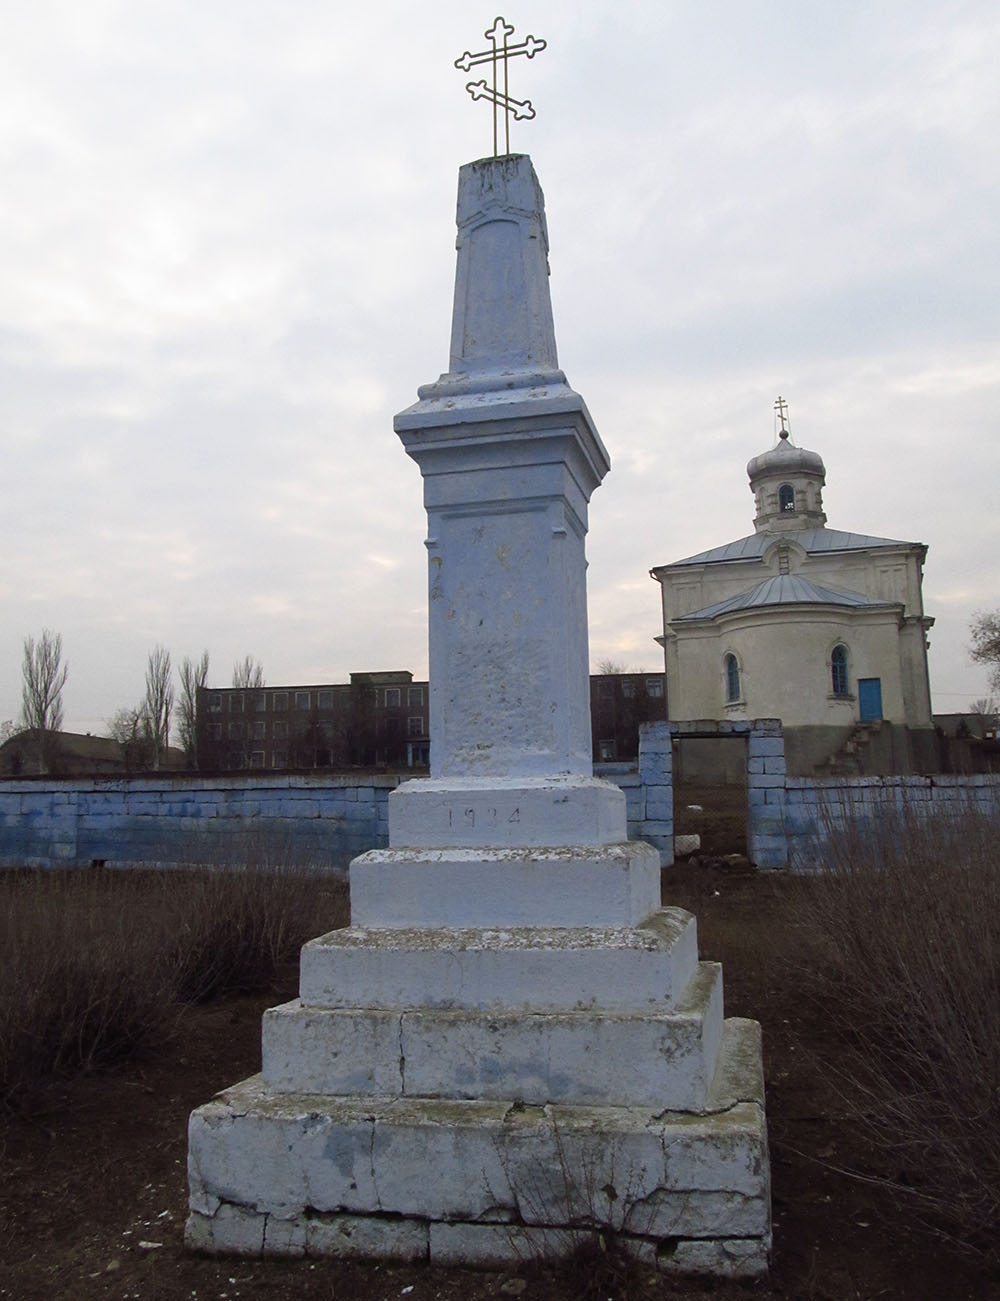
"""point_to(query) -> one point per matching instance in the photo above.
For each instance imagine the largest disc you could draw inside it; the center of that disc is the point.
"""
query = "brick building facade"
(380, 720)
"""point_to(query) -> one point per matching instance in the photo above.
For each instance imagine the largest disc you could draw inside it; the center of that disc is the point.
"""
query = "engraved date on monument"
(467, 818)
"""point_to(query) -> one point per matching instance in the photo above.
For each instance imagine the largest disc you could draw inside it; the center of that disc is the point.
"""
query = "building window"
(415, 697)
(279, 700)
(786, 497)
(259, 730)
(838, 670)
(654, 688)
(302, 700)
(235, 731)
(236, 704)
(628, 688)
(216, 731)
(606, 751)
(324, 699)
(415, 725)
(392, 697)
(732, 679)
(215, 702)
(279, 758)
(260, 701)
(256, 758)
(279, 730)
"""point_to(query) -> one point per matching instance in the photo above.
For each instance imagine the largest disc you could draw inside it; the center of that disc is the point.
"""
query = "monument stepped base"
(488, 1183)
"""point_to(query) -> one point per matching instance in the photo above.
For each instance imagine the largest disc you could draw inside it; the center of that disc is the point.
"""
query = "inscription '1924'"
(466, 818)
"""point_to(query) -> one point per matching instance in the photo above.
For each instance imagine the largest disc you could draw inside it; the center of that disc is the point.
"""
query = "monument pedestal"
(512, 1049)
(509, 1052)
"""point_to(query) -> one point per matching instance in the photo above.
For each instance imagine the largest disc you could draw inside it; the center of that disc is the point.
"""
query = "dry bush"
(83, 977)
(94, 964)
(900, 943)
(237, 926)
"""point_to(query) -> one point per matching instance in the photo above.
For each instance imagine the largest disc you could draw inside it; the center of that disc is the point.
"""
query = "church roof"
(813, 541)
(786, 589)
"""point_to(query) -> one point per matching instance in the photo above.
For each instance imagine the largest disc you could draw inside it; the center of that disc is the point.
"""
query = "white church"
(821, 628)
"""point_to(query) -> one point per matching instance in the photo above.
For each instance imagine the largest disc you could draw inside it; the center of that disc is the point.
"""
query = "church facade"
(822, 628)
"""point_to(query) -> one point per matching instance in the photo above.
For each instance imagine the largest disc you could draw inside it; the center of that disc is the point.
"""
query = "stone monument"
(513, 1048)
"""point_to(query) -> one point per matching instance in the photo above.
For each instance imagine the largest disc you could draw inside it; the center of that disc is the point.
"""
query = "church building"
(821, 628)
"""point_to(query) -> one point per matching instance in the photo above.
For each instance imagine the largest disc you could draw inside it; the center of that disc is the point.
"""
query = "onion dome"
(787, 484)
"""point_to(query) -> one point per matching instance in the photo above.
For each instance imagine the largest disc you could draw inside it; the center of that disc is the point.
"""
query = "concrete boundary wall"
(310, 820)
(788, 818)
(326, 821)
(814, 809)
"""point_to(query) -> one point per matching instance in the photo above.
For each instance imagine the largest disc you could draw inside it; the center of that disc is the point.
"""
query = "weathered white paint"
(665, 1060)
(566, 885)
(509, 812)
(512, 1038)
(509, 457)
(624, 969)
(652, 1174)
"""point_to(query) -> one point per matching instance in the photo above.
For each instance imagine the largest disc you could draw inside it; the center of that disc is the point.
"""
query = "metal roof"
(814, 541)
(786, 589)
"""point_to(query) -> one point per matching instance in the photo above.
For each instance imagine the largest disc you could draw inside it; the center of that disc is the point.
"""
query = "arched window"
(786, 497)
(732, 679)
(838, 670)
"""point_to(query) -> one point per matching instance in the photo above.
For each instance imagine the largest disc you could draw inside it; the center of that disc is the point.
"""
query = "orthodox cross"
(781, 407)
(498, 54)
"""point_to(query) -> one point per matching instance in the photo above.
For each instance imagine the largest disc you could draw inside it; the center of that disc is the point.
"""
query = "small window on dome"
(786, 497)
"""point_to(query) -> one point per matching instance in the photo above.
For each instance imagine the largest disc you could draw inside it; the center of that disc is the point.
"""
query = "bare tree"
(159, 701)
(130, 728)
(44, 676)
(248, 672)
(985, 648)
(610, 666)
(193, 677)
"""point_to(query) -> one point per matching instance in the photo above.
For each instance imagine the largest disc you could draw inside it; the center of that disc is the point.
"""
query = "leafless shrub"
(94, 964)
(241, 923)
(82, 977)
(900, 943)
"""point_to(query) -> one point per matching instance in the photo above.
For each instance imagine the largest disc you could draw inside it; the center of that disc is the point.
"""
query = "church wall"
(784, 658)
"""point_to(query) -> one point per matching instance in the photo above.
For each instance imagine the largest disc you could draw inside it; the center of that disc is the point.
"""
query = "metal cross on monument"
(499, 55)
(781, 410)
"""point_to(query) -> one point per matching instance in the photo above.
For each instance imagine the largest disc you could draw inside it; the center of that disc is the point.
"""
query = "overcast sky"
(227, 242)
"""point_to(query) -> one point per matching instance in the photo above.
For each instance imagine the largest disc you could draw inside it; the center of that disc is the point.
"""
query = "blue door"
(870, 699)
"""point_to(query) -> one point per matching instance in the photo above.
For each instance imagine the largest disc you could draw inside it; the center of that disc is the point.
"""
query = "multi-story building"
(380, 720)
(375, 720)
(619, 702)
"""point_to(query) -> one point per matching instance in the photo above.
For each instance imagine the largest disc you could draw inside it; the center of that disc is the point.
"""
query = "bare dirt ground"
(93, 1197)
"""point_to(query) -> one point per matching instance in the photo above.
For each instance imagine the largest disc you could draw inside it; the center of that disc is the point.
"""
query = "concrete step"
(590, 1058)
(624, 969)
(546, 886)
(445, 1180)
(506, 812)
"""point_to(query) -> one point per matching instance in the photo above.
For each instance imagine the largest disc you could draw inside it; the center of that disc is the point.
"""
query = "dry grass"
(94, 964)
(899, 942)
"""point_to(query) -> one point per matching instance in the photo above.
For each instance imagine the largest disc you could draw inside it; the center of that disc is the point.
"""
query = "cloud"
(228, 258)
